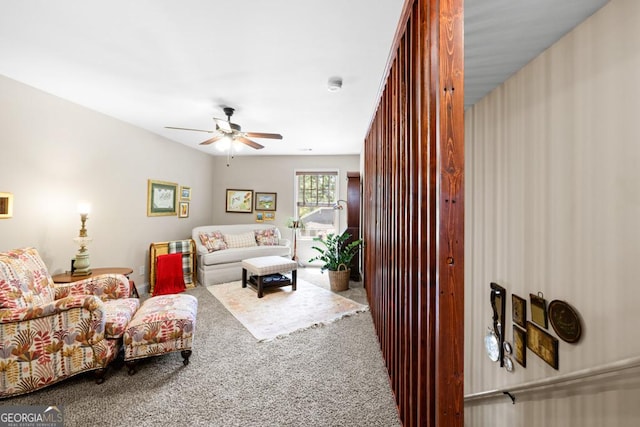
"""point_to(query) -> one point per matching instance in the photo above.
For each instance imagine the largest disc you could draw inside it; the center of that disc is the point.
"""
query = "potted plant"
(336, 255)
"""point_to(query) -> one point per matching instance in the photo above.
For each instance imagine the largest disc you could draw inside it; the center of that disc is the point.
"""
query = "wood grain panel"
(413, 215)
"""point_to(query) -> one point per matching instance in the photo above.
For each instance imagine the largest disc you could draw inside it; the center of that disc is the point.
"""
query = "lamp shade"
(84, 208)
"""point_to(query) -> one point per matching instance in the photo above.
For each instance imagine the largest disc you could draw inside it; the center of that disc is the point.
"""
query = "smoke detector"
(335, 84)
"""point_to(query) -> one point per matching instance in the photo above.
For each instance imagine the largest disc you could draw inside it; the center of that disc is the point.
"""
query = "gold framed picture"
(520, 345)
(6, 205)
(185, 193)
(239, 201)
(519, 310)
(542, 344)
(183, 212)
(162, 198)
(539, 309)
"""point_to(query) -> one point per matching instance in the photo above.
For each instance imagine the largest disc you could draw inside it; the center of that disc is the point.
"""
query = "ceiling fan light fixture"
(237, 146)
(334, 84)
(224, 144)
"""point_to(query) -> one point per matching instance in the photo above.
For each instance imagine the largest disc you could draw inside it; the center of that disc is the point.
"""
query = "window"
(316, 195)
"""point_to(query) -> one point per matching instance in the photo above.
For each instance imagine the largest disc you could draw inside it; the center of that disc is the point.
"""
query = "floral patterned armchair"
(50, 332)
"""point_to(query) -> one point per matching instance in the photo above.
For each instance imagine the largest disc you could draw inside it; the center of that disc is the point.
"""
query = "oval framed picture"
(565, 320)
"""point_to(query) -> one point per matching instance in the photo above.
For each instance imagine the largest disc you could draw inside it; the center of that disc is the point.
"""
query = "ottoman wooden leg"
(131, 365)
(260, 287)
(244, 277)
(185, 354)
(294, 279)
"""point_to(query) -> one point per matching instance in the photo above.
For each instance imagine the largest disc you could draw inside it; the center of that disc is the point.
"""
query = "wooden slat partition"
(413, 214)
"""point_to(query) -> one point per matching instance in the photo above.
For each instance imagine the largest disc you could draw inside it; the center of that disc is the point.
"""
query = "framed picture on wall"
(183, 212)
(266, 201)
(520, 345)
(239, 201)
(542, 344)
(519, 310)
(539, 309)
(162, 198)
(6, 205)
(185, 193)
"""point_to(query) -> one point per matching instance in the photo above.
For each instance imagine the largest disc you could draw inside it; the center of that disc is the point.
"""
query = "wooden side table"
(66, 277)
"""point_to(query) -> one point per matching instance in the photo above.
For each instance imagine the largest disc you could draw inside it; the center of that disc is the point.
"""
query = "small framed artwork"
(162, 198)
(183, 212)
(6, 205)
(539, 309)
(259, 216)
(185, 193)
(266, 201)
(542, 344)
(239, 201)
(520, 345)
(269, 216)
(519, 310)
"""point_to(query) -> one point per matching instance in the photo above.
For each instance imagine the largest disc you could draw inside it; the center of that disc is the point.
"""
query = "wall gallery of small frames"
(533, 334)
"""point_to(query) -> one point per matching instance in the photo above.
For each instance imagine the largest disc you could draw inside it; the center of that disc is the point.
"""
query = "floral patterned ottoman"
(163, 324)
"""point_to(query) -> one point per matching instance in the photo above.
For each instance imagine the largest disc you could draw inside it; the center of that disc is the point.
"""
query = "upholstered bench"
(264, 266)
(163, 324)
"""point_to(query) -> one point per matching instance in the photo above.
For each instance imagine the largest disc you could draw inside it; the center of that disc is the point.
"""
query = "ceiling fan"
(232, 132)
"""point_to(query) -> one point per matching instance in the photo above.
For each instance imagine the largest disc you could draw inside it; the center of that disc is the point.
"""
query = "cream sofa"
(225, 265)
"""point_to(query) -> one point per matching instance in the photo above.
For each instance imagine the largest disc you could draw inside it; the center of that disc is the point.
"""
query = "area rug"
(282, 311)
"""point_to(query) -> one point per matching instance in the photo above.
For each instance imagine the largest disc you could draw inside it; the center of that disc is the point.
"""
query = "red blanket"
(169, 275)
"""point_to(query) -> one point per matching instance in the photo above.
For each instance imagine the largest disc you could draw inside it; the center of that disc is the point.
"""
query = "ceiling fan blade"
(249, 142)
(222, 124)
(212, 140)
(263, 135)
(197, 130)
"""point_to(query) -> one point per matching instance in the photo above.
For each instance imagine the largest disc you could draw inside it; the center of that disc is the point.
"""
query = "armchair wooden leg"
(185, 354)
(99, 375)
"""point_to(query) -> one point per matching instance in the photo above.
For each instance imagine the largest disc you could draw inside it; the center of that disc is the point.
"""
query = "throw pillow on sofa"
(213, 241)
(267, 237)
(244, 240)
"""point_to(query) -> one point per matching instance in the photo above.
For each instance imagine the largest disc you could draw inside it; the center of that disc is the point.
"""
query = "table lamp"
(82, 263)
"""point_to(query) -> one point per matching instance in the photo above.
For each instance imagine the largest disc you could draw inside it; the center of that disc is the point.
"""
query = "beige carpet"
(281, 310)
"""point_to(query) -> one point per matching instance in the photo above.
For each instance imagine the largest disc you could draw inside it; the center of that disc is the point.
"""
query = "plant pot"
(339, 279)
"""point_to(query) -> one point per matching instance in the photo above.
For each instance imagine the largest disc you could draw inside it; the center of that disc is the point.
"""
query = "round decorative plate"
(508, 364)
(507, 347)
(492, 346)
(565, 321)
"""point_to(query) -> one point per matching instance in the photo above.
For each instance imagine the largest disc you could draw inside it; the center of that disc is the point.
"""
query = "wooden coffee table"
(66, 277)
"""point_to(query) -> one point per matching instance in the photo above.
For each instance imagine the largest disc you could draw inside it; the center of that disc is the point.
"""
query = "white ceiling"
(157, 63)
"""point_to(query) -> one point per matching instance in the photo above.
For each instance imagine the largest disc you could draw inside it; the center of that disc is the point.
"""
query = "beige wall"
(553, 197)
(275, 174)
(54, 153)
